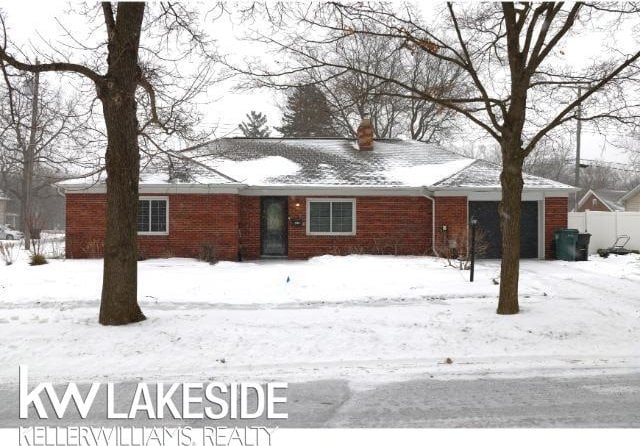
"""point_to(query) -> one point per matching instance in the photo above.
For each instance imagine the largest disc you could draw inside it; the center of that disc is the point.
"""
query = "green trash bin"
(565, 244)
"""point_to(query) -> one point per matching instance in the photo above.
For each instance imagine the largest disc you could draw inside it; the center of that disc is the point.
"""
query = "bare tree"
(44, 139)
(130, 68)
(354, 94)
(510, 58)
(429, 121)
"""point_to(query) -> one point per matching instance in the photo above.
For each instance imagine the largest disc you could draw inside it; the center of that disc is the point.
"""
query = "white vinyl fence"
(604, 227)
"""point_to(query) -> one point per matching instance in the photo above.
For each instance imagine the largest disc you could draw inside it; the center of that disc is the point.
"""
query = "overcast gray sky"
(28, 20)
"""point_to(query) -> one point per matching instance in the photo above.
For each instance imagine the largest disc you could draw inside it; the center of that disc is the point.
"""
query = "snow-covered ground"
(363, 318)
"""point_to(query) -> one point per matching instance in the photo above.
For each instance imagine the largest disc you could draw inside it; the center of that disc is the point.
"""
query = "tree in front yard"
(519, 85)
(123, 76)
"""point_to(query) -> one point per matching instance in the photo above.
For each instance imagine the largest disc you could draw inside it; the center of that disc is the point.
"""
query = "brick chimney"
(365, 135)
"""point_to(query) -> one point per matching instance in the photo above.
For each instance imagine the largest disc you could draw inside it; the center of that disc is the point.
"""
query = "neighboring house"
(631, 200)
(605, 200)
(3, 209)
(297, 198)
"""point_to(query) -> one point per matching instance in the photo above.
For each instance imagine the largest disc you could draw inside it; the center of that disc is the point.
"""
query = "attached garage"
(489, 234)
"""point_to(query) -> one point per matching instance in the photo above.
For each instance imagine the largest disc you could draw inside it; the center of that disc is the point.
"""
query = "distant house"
(3, 209)
(298, 198)
(631, 200)
(605, 200)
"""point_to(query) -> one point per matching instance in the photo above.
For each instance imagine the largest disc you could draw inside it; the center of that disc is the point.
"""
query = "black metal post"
(474, 223)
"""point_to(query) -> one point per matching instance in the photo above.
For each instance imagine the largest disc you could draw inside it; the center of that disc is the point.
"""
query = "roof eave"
(567, 189)
(151, 188)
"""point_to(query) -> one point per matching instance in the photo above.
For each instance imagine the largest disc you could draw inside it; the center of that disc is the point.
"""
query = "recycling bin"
(582, 246)
(565, 241)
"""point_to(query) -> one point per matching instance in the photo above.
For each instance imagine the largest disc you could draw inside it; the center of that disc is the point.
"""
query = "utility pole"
(578, 137)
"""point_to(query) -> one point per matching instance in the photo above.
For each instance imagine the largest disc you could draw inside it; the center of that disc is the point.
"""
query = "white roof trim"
(305, 189)
(462, 190)
(346, 190)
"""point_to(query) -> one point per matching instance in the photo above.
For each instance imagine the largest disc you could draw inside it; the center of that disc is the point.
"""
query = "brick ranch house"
(298, 198)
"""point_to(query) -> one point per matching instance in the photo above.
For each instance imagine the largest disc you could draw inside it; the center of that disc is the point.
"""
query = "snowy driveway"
(362, 318)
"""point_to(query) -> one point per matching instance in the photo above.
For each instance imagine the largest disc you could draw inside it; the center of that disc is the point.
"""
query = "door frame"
(285, 238)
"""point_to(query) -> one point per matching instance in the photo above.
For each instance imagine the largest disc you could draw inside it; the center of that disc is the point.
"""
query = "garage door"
(486, 212)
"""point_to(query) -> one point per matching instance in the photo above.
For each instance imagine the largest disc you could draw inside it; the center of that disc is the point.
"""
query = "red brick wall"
(452, 213)
(555, 217)
(85, 219)
(194, 220)
(250, 227)
(384, 225)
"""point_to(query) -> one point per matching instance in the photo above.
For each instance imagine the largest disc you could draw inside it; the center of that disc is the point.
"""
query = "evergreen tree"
(255, 126)
(307, 114)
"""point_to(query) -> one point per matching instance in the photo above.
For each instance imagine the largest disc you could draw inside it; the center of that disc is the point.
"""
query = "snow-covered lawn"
(364, 318)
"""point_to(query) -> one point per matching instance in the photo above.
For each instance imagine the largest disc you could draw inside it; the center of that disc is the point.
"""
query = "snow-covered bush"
(56, 248)
(9, 252)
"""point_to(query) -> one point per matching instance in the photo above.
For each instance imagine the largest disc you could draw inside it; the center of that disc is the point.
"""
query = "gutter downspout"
(433, 223)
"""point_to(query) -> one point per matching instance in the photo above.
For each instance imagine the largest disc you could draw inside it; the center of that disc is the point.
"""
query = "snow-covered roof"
(338, 162)
(158, 173)
(324, 163)
(328, 162)
(486, 175)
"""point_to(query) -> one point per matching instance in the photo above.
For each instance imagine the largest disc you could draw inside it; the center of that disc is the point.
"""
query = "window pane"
(158, 216)
(342, 216)
(143, 216)
(319, 216)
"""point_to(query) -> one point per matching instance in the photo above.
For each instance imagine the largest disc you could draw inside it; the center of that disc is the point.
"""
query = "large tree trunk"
(25, 209)
(512, 183)
(28, 162)
(119, 304)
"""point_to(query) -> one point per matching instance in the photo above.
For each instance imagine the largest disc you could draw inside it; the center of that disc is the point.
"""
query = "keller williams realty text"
(145, 436)
(213, 400)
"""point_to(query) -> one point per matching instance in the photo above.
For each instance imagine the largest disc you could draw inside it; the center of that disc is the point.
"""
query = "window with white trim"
(153, 215)
(331, 216)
